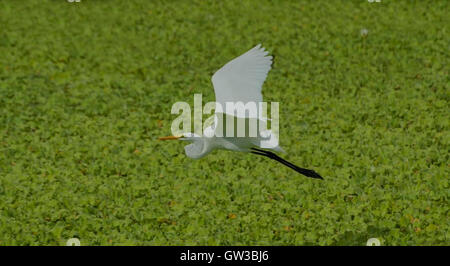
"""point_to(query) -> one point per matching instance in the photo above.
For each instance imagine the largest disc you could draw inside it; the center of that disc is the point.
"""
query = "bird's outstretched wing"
(241, 79)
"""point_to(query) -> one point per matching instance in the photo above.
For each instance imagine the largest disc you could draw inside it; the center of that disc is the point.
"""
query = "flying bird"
(240, 80)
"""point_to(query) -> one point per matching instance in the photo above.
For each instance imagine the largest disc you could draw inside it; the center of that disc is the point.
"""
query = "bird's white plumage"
(241, 79)
(195, 149)
(238, 81)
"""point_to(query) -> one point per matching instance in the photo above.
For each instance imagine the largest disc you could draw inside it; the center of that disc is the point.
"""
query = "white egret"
(240, 80)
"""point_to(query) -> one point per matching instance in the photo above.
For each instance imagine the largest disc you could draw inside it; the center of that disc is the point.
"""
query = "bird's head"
(197, 149)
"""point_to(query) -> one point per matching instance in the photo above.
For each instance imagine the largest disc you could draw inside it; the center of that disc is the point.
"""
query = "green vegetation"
(86, 88)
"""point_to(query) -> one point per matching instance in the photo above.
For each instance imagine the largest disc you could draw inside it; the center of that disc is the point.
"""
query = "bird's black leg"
(271, 155)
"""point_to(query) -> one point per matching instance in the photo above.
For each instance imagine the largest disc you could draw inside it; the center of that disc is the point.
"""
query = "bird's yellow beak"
(169, 138)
